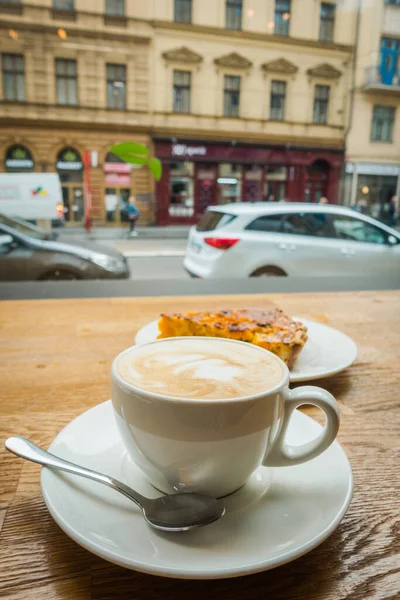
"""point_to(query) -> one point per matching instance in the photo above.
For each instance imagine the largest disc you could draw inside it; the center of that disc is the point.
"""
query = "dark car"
(27, 257)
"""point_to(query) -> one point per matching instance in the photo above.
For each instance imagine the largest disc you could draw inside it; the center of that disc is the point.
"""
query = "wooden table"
(55, 361)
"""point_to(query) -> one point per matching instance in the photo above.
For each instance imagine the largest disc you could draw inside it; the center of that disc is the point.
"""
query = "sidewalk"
(70, 234)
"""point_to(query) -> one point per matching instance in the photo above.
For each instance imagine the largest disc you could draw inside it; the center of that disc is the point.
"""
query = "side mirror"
(392, 240)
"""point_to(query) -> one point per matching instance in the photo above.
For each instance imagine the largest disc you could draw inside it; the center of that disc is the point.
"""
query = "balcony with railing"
(377, 81)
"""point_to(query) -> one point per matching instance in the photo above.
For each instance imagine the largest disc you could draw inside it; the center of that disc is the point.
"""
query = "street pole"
(87, 192)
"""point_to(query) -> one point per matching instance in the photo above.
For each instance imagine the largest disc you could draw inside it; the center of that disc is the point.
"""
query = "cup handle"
(284, 455)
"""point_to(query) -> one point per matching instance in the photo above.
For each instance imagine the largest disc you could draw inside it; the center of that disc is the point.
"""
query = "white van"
(31, 196)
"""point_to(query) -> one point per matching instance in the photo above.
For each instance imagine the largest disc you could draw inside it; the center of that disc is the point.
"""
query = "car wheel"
(269, 272)
(59, 275)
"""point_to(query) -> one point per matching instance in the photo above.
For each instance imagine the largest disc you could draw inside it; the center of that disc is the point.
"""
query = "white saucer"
(327, 351)
(303, 506)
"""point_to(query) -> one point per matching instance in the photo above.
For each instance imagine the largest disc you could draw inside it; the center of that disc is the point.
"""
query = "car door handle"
(348, 251)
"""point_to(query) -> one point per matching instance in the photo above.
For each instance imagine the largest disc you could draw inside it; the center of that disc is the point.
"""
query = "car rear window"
(214, 220)
(271, 223)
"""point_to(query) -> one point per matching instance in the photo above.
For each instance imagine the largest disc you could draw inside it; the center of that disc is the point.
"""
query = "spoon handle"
(25, 449)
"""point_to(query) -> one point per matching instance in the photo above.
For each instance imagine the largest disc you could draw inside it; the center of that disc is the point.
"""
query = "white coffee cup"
(214, 446)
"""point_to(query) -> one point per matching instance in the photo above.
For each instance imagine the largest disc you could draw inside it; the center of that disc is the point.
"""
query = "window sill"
(116, 108)
(381, 141)
(181, 112)
(14, 101)
(63, 15)
(69, 105)
(115, 21)
(11, 9)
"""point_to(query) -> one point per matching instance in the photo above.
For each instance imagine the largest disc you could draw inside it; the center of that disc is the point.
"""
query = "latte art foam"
(200, 368)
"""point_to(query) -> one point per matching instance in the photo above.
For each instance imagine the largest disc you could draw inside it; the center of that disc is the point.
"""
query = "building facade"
(250, 101)
(372, 169)
(242, 100)
(75, 79)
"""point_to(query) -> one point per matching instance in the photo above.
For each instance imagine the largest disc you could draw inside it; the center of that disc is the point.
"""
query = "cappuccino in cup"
(197, 368)
(200, 414)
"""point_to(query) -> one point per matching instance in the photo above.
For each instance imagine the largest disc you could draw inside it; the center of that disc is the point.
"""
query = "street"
(154, 259)
(157, 267)
(148, 257)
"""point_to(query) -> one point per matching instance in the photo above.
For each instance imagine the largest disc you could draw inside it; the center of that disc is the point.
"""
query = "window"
(181, 189)
(182, 84)
(115, 8)
(233, 14)
(183, 11)
(394, 2)
(63, 4)
(270, 223)
(311, 224)
(390, 61)
(282, 17)
(231, 95)
(321, 102)
(66, 82)
(277, 106)
(326, 22)
(116, 86)
(212, 220)
(382, 123)
(13, 77)
(347, 228)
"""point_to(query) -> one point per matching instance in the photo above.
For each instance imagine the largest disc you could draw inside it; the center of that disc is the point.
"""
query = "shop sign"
(18, 157)
(110, 167)
(184, 150)
(69, 160)
(373, 169)
(117, 179)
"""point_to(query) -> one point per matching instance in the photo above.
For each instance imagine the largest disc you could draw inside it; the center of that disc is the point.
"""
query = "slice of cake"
(272, 329)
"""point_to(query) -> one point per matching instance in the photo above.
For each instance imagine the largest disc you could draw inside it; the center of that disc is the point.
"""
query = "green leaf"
(156, 168)
(129, 151)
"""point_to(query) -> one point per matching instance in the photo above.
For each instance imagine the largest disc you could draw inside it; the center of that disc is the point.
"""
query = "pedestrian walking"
(133, 215)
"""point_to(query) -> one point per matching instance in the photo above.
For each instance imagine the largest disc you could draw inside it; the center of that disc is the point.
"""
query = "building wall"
(374, 23)
(141, 40)
(208, 37)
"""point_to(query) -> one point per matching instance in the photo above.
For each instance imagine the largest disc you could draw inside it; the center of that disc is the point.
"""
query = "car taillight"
(60, 209)
(221, 243)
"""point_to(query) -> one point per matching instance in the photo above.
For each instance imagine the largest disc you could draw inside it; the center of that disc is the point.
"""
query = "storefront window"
(374, 193)
(181, 191)
(69, 166)
(117, 190)
(116, 202)
(229, 183)
(275, 183)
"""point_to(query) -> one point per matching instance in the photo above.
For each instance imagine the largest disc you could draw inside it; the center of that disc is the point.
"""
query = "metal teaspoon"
(178, 512)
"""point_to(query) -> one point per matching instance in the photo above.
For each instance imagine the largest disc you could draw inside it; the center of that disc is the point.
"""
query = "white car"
(251, 240)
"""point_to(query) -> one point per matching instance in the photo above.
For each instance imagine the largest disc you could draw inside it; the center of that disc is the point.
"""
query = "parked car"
(26, 256)
(252, 240)
(28, 228)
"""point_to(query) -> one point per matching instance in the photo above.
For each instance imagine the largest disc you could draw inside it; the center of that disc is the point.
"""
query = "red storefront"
(197, 174)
